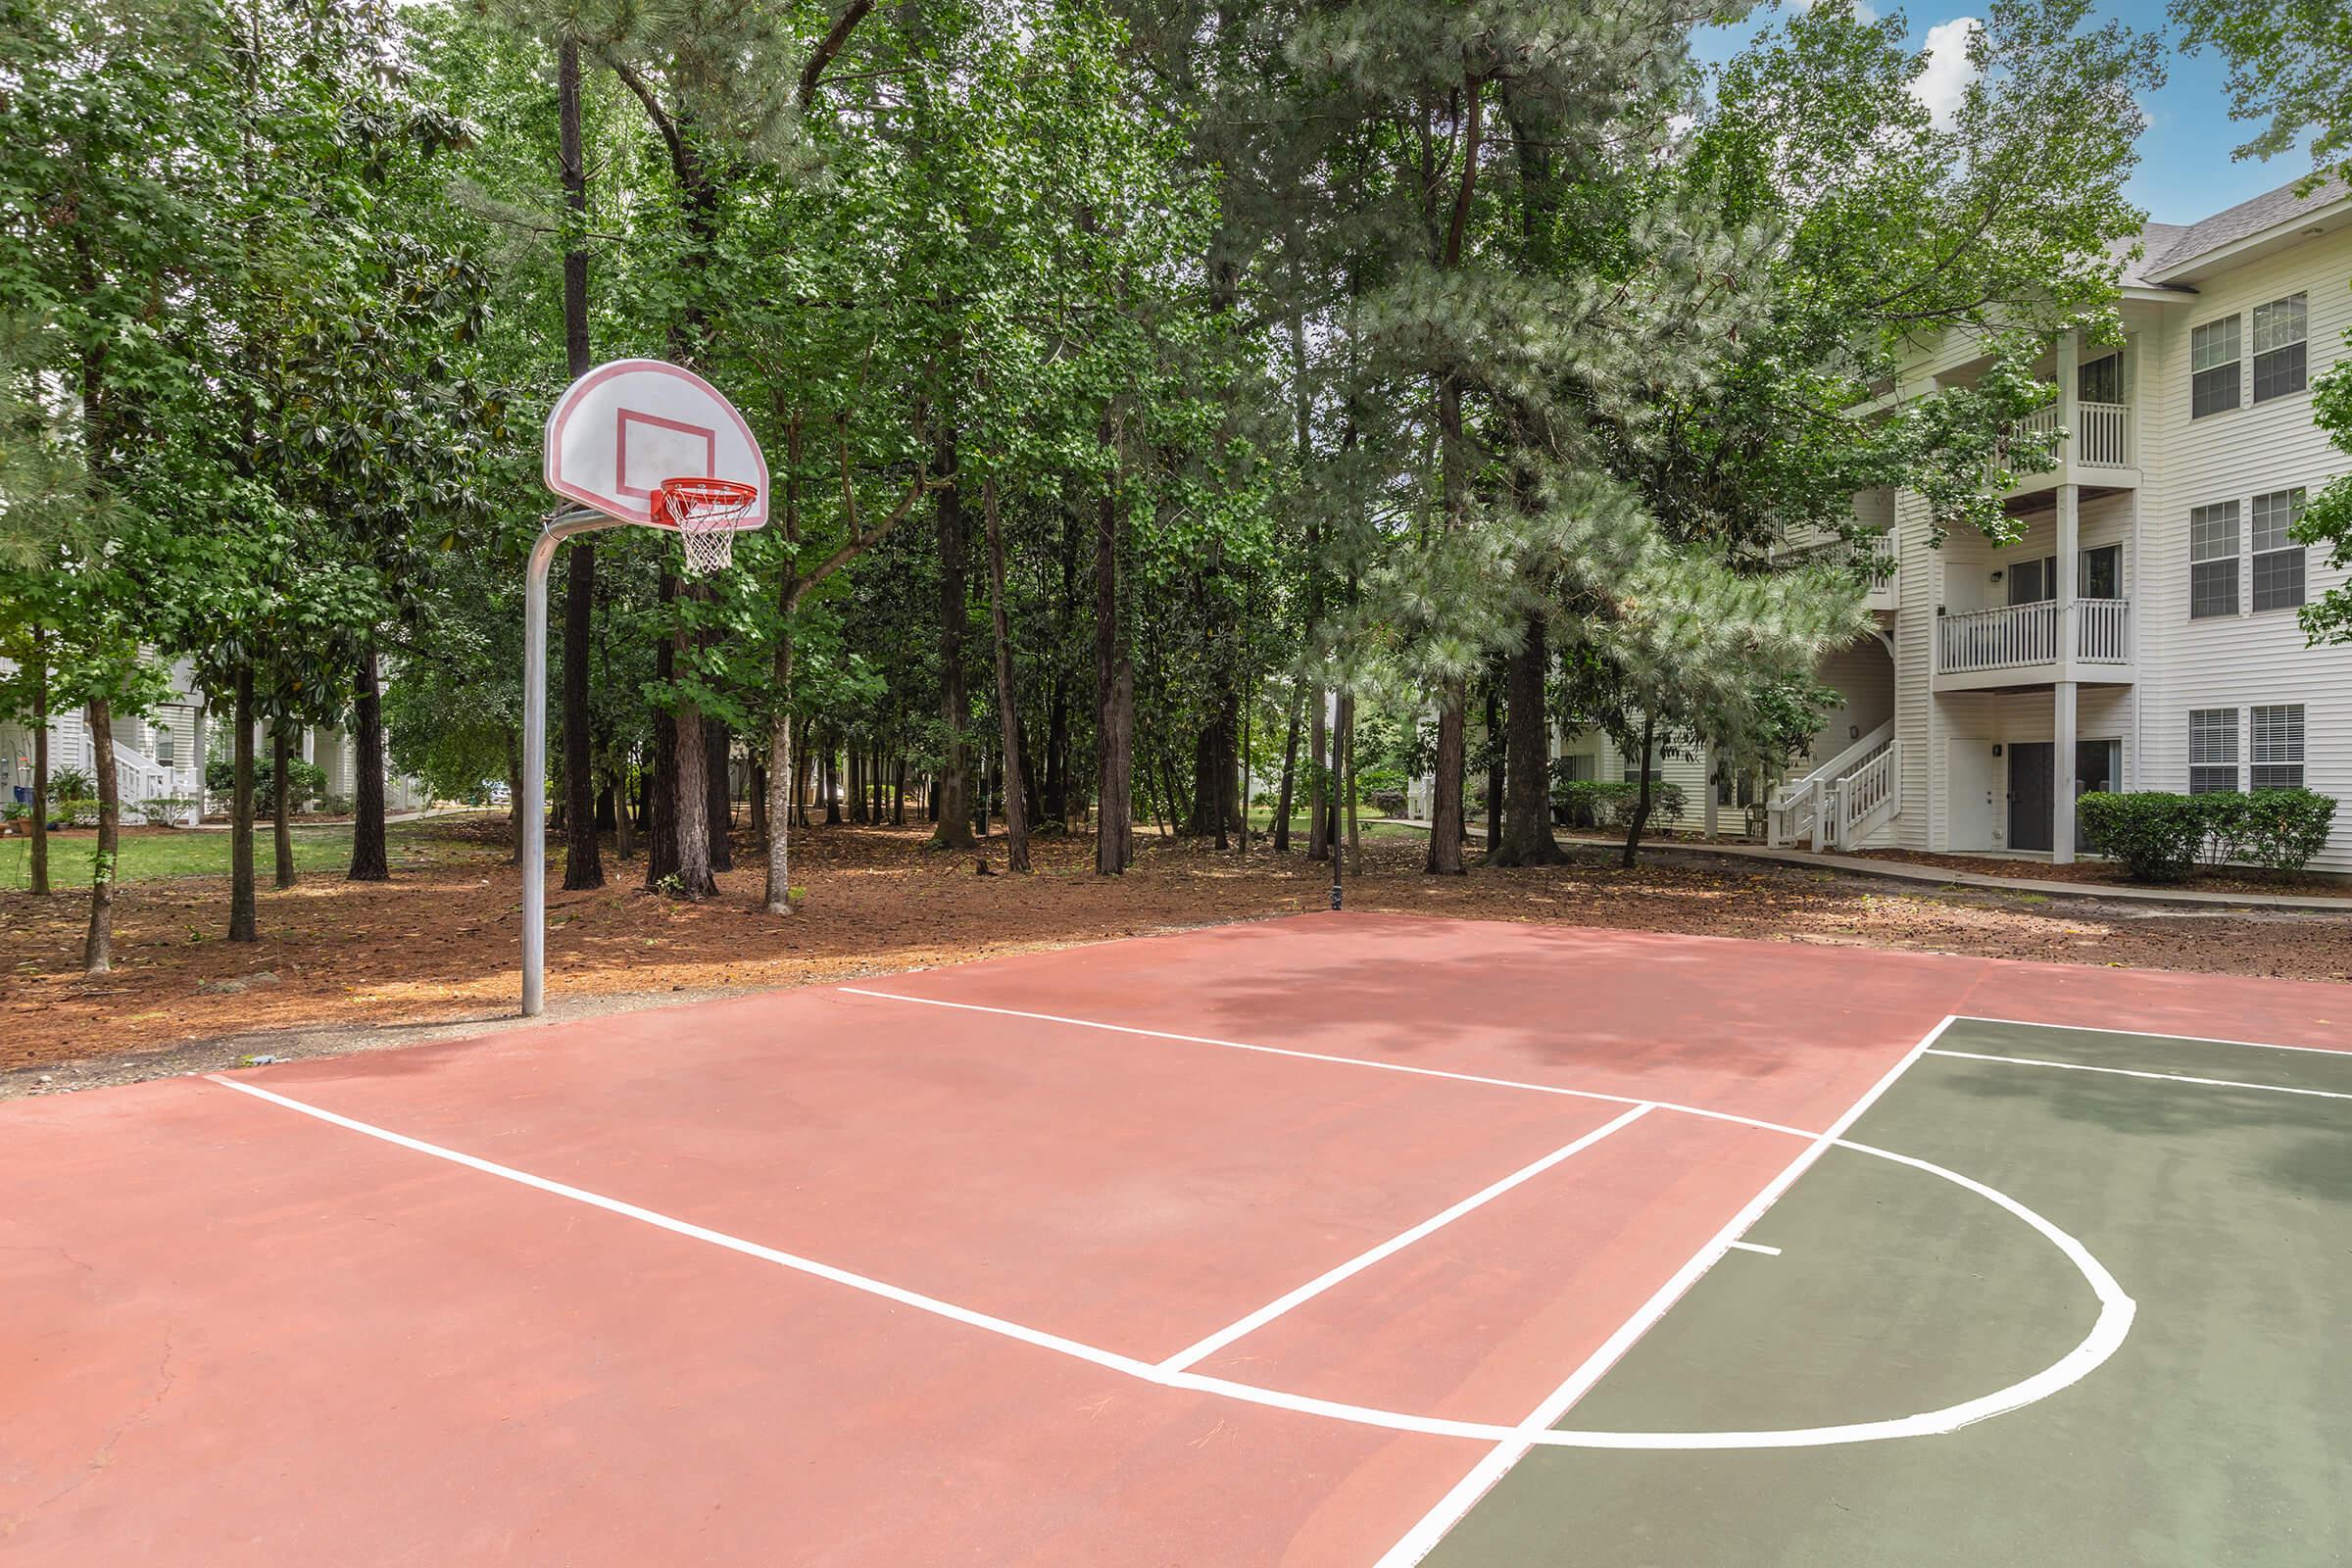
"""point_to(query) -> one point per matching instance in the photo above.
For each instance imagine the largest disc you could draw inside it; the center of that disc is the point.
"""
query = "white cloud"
(1948, 71)
(1863, 10)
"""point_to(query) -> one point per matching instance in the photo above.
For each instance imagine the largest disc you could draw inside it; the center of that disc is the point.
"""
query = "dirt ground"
(347, 966)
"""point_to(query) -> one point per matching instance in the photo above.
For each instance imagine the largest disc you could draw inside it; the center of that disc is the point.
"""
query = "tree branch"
(829, 47)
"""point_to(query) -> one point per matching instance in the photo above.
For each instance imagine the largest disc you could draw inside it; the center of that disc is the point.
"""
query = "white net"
(707, 513)
(709, 549)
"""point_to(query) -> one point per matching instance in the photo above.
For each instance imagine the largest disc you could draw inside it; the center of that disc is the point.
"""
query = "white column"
(2069, 571)
(2068, 355)
(2062, 788)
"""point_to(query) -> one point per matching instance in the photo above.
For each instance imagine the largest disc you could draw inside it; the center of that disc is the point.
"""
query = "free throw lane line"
(2134, 1072)
(1204, 1348)
(2106, 1333)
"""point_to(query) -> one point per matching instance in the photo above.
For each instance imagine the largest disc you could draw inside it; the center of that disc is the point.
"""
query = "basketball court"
(1343, 1238)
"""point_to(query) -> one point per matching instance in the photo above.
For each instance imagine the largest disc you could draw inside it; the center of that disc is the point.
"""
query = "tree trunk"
(1318, 782)
(1290, 770)
(40, 762)
(583, 863)
(1017, 805)
(1350, 788)
(370, 860)
(1640, 817)
(783, 781)
(240, 816)
(1527, 838)
(832, 782)
(954, 830)
(98, 945)
(281, 802)
(1495, 769)
(661, 776)
(1114, 698)
(1446, 800)
(514, 796)
(756, 795)
(718, 744)
(625, 823)
(691, 761)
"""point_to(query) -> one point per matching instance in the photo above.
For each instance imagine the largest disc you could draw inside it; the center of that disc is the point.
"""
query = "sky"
(2185, 171)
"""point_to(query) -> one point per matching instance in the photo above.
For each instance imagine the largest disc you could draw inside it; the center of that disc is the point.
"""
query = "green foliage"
(2290, 65)
(305, 781)
(1610, 803)
(70, 784)
(2160, 837)
(2328, 517)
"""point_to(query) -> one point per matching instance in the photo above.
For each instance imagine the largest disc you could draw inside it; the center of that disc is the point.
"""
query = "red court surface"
(830, 1276)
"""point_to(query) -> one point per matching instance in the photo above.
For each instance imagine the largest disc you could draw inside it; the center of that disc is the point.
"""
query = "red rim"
(677, 500)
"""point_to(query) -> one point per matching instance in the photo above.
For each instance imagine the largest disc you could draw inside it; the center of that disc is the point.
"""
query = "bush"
(2157, 837)
(305, 781)
(2281, 829)
(161, 810)
(71, 784)
(75, 814)
(1597, 802)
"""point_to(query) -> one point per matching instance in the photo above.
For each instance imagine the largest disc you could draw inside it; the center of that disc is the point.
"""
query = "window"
(2102, 574)
(2212, 751)
(167, 749)
(2278, 559)
(2279, 330)
(2213, 561)
(2213, 367)
(1580, 766)
(2279, 747)
(2100, 380)
(2032, 581)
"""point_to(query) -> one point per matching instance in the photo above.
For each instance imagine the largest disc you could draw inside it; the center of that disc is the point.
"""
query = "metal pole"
(534, 751)
(1331, 794)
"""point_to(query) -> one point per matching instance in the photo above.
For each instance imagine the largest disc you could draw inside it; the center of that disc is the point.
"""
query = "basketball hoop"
(707, 515)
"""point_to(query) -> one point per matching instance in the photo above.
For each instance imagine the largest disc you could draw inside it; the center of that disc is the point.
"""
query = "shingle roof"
(2158, 239)
(2179, 245)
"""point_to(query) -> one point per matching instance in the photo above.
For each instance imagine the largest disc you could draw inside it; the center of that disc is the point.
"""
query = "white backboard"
(624, 427)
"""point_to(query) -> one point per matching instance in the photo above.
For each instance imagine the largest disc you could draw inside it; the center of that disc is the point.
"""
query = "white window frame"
(2213, 751)
(2277, 511)
(2274, 732)
(2203, 516)
(2205, 343)
(2280, 336)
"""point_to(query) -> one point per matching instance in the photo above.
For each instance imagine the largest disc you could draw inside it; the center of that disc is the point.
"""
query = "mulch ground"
(441, 944)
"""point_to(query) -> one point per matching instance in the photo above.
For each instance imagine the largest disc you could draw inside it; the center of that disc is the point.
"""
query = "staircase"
(1843, 801)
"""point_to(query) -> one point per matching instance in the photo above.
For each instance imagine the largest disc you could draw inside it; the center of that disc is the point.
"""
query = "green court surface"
(2219, 1432)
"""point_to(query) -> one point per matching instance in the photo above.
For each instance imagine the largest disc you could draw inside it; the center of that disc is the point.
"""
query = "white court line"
(1315, 1287)
(2154, 1033)
(2130, 1072)
(1753, 1247)
(2106, 1334)
(1450, 1510)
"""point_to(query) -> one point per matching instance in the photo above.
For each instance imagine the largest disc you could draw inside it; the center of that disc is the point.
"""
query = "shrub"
(305, 781)
(1608, 802)
(2282, 829)
(2157, 837)
(70, 784)
(75, 814)
(161, 810)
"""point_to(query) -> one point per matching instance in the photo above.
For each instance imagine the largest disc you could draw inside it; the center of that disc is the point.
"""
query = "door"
(2096, 771)
(2032, 767)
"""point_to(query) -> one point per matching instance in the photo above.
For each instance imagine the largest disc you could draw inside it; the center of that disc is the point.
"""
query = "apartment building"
(2142, 633)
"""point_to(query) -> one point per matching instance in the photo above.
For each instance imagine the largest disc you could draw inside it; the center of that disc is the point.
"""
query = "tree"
(2291, 64)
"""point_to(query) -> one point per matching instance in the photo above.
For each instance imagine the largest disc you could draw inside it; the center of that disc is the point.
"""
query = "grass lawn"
(1261, 821)
(183, 852)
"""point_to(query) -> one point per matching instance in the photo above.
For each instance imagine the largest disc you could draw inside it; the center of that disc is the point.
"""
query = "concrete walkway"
(1944, 876)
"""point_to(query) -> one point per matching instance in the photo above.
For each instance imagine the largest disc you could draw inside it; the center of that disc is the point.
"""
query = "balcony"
(2102, 441)
(2026, 645)
(1871, 559)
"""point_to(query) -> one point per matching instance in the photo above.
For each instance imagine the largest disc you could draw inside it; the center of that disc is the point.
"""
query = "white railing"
(2103, 435)
(1808, 811)
(1869, 793)
(1997, 639)
(2018, 635)
(2103, 631)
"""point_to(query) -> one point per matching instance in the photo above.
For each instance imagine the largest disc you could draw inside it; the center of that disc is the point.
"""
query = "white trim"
(2126, 1072)
(1205, 1347)
(1756, 1246)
